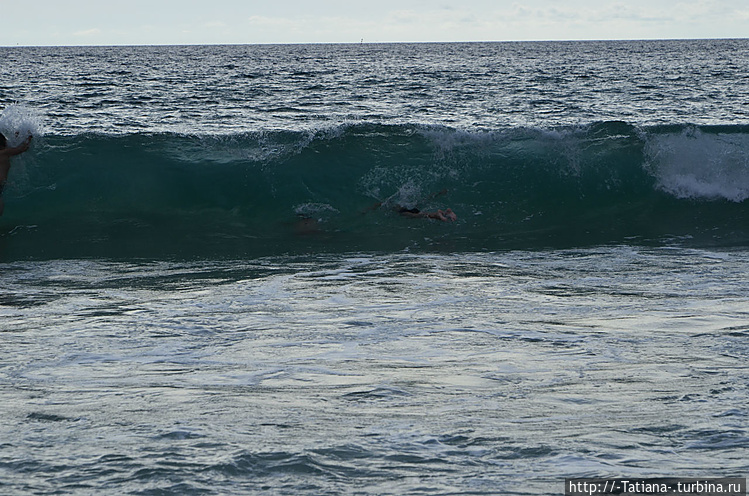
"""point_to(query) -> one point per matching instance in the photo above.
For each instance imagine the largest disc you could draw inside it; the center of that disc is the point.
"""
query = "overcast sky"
(138, 22)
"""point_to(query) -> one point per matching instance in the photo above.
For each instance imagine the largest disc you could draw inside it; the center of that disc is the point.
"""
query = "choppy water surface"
(373, 374)
(221, 89)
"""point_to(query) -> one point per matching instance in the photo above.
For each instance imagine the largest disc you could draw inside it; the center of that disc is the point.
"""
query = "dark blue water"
(206, 286)
(225, 89)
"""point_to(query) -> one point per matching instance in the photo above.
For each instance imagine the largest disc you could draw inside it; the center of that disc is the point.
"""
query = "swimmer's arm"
(413, 215)
(17, 150)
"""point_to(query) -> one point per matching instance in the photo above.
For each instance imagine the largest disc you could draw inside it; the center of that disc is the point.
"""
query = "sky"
(168, 22)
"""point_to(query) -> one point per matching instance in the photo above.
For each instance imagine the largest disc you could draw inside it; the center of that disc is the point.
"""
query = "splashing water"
(18, 122)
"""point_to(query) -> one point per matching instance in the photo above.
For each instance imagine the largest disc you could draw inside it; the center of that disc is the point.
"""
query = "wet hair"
(3, 141)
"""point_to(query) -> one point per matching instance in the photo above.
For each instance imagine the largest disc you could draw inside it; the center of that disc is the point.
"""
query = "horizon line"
(363, 42)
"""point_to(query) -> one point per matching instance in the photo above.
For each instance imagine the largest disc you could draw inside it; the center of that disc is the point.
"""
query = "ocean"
(208, 286)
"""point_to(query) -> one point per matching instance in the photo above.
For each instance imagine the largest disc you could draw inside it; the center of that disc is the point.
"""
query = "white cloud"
(87, 33)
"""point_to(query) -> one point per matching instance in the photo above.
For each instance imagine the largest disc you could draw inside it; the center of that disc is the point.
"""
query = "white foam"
(17, 122)
(697, 165)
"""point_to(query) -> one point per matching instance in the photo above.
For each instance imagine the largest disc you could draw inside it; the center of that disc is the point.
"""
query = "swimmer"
(414, 213)
(446, 215)
(5, 154)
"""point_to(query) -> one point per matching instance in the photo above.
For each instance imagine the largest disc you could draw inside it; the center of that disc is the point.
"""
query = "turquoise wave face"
(341, 189)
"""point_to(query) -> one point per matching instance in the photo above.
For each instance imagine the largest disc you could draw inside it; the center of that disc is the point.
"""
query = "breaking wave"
(338, 189)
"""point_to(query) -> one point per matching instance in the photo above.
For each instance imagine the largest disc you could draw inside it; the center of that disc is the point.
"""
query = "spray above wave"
(17, 122)
(260, 192)
(708, 163)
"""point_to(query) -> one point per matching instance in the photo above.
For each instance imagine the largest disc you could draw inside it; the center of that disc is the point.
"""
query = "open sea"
(206, 287)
